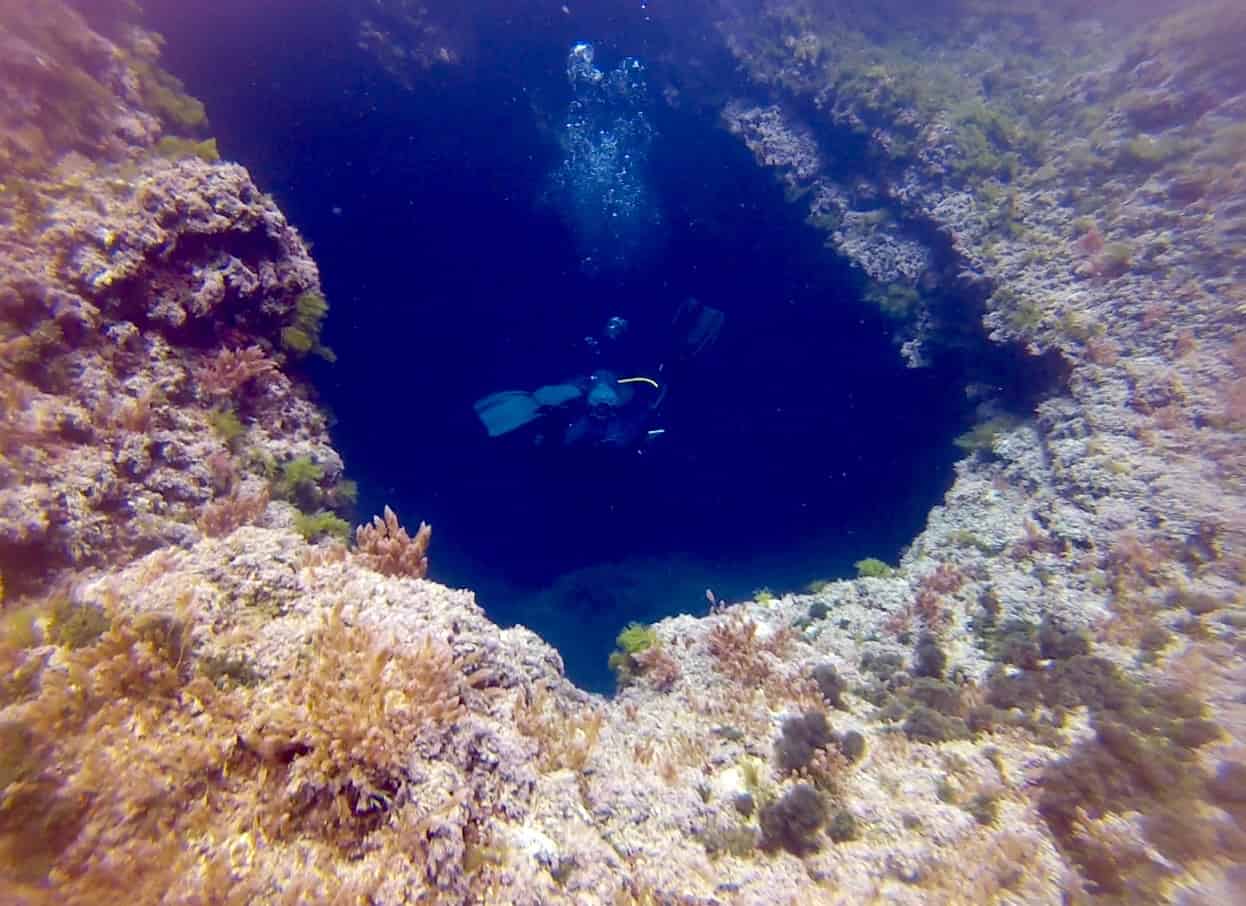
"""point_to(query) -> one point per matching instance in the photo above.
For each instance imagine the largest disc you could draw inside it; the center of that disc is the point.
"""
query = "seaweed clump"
(137, 740)
(75, 625)
(929, 710)
(1021, 644)
(386, 548)
(801, 739)
(175, 147)
(793, 820)
(299, 482)
(320, 524)
(830, 684)
(936, 712)
(1142, 758)
(301, 336)
(928, 658)
(873, 568)
(807, 745)
(631, 642)
(843, 826)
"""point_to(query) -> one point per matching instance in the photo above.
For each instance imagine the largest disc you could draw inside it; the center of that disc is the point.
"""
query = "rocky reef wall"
(150, 303)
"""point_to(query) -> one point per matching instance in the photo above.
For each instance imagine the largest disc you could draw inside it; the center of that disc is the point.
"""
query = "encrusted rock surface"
(126, 270)
(112, 311)
(859, 229)
(197, 705)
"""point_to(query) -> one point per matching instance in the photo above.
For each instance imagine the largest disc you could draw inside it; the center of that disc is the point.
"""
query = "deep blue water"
(795, 446)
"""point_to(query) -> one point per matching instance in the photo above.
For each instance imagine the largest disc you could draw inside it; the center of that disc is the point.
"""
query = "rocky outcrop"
(127, 266)
(1089, 203)
(859, 229)
(1108, 250)
(128, 294)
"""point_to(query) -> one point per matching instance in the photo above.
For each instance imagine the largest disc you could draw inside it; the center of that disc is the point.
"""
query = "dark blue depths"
(793, 447)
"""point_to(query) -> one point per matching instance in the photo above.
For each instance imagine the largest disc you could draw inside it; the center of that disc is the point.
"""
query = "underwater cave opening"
(794, 446)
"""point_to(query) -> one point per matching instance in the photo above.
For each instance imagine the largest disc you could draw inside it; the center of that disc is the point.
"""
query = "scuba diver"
(607, 407)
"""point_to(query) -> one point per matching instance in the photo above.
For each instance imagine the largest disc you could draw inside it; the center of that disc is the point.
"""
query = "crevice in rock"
(939, 318)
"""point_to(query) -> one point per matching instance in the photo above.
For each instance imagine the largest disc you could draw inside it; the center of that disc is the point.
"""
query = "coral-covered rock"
(121, 286)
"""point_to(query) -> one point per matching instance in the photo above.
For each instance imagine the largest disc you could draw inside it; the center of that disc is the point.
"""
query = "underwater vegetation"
(171, 146)
(640, 655)
(216, 746)
(872, 568)
(302, 335)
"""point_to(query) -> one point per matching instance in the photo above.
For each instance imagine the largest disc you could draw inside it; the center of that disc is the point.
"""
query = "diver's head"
(606, 394)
